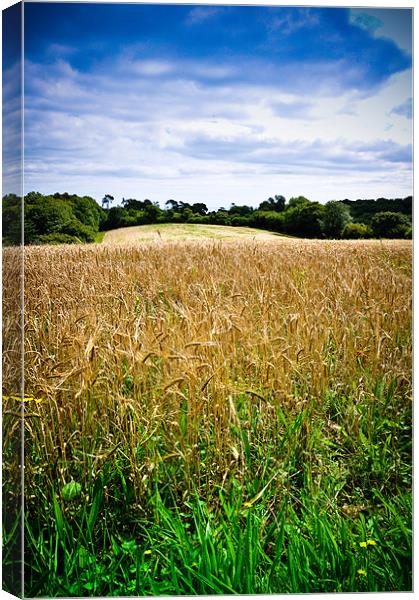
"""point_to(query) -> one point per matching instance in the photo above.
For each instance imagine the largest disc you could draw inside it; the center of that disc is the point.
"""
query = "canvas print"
(207, 299)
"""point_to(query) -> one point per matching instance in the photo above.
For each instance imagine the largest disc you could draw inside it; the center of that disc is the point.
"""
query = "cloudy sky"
(218, 104)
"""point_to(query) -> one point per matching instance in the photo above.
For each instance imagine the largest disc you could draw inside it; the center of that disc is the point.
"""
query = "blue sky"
(12, 100)
(217, 104)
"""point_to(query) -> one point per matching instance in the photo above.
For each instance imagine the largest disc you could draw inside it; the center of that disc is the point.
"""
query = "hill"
(180, 231)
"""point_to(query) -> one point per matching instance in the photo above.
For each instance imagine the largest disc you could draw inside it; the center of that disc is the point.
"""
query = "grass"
(209, 421)
(99, 236)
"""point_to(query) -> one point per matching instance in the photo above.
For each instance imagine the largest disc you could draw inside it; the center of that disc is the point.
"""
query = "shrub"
(56, 238)
(357, 231)
(220, 218)
(78, 230)
(238, 221)
(271, 220)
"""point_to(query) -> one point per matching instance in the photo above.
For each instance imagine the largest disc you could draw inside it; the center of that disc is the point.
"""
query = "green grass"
(295, 521)
(227, 550)
(99, 237)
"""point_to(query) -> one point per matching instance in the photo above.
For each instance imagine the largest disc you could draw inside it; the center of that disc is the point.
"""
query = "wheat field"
(185, 232)
(205, 417)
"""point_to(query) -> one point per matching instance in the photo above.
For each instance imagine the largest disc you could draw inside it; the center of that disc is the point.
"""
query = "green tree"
(47, 215)
(12, 219)
(114, 217)
(107, 200)
(362, 211)
(304, 219)
(199, 208)
(241, 211)
(390, 225)
(87, 211)
(271, 220)
(221, 217)
(276, 204)
(187, 214)
(297, 201)
(172, 205)
(336, 217)
(151, 213)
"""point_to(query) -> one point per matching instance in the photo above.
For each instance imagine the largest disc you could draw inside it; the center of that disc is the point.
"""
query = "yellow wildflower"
(363, 544)
(25, 399)
(147, 552)
(362, 572)
(371, 543)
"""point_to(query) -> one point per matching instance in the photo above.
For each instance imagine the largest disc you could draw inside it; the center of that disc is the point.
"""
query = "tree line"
(68, 218)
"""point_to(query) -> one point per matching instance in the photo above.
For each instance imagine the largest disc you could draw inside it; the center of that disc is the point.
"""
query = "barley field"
(205, 417)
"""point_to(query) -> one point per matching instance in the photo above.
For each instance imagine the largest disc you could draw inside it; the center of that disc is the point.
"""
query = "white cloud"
(150, 129)
(11, 130)
(151, 67)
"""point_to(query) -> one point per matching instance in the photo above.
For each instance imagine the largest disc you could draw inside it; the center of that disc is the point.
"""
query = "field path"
(183, 231)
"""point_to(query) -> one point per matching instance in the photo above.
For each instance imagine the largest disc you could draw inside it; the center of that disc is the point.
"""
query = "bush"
(274, 221)
(198, 219)
(220, 218)
(238, 221)
(56, 238)
(357, 231)
(78, 230)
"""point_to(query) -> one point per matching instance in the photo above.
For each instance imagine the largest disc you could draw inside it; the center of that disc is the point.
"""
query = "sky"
(217, 104)
(12, 100)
